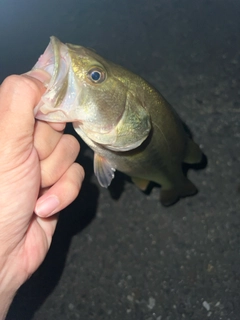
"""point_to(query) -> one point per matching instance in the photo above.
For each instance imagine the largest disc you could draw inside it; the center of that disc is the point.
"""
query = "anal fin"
(142, 184)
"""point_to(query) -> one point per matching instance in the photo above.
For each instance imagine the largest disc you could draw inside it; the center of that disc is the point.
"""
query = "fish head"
(89, 91)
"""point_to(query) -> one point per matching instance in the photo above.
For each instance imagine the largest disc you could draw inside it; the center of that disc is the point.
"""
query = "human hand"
(37, 174)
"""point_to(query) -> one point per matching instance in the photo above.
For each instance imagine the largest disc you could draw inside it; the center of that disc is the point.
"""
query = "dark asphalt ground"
(118, 254)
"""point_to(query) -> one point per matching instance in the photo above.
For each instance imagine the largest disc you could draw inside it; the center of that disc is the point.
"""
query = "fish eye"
(96, 75)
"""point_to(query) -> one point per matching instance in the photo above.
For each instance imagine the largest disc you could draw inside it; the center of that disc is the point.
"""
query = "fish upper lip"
(47, 60)
(55, 60)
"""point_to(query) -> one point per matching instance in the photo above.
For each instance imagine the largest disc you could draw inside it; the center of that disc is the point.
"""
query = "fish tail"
(170, 196)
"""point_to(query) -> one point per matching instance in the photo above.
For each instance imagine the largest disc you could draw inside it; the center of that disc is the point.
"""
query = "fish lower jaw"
(54, 115)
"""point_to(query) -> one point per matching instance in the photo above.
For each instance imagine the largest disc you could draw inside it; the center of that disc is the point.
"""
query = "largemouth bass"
(127, 123)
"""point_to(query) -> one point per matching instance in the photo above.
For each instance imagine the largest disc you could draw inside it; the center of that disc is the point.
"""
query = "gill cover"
(132, 129)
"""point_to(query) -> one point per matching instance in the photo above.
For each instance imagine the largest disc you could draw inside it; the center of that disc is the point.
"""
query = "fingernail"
(47, 206)
(40, 75)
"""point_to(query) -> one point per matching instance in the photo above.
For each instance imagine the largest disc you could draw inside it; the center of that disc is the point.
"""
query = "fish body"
(127, 122)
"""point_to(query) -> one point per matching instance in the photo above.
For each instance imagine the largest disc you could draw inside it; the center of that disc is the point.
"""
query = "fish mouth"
(56, 105)
(65, 96)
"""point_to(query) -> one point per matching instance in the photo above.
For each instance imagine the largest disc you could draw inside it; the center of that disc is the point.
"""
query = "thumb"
(39, 74)
(19, 94)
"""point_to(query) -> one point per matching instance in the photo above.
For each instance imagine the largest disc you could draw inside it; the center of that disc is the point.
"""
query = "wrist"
(9, 284)
(6, 300)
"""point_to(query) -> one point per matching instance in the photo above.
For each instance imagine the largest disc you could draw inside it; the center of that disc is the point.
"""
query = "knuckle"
(71, 144)
(79, 171)
(76, 177)
(47, 178)
(11, 80)
(12, 83)
(19, 84)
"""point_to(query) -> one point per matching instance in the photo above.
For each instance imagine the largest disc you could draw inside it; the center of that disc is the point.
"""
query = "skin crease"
(38, 178)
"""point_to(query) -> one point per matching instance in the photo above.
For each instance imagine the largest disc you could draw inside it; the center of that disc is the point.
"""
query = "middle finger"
(57, 163)
(45, 139)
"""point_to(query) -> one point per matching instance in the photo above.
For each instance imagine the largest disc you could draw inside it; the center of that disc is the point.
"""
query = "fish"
(126, 122)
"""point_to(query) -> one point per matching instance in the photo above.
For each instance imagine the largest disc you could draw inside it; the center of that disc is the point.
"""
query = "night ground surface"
(118, 254)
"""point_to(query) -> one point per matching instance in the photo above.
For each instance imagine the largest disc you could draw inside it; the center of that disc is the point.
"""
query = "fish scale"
(125, 120)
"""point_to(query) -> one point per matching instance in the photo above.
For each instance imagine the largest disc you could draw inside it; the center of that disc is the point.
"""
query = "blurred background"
(117, 253)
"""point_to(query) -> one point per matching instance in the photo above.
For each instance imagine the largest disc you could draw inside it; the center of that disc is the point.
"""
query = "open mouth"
(56, 103)
(47, 60)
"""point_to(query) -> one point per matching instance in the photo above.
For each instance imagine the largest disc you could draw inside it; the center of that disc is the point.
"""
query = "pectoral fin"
(103, 170)
(142, 184)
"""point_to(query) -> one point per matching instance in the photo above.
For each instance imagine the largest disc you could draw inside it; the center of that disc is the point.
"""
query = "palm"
(36, 244)
(30, 236)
